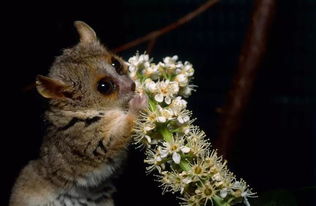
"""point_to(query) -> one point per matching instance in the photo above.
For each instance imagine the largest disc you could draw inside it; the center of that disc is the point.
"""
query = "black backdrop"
(275, 149)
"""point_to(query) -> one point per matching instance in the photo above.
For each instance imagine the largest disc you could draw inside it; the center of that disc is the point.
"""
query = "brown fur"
(88, 131)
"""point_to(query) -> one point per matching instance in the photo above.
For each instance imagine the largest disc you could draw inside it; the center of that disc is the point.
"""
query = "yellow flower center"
(197, 170)
(237, 193)
(208, 191)
(152, 117)
(174, 147)
(164, 91)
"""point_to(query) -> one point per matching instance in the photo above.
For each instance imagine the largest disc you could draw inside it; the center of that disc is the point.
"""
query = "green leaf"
(185, 166)
(219, 201)
(167, 135)
(152, 105)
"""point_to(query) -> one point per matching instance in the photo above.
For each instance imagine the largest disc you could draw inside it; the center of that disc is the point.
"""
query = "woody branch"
(251, 56)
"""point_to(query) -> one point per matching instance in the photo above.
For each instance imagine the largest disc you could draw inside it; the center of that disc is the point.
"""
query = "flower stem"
(152, 105)
(219, 201)
(185, 166)
(166, 134)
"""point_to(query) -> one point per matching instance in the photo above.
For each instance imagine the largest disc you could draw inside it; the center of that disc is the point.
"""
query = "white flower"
(242, 190)
(183, 119)
(139, 87)
(186, 129)
(150, 70)
(174, 181)
(217, 177)
(188, 69)
(132, 69)
(177, 105)
(165, 90)
(170, 60)
(150, 86)
(144, 124)
(164, 114)
(206, 191)
(154, 161)
(143, 58)
(147, 120)
(174, 148)
(176, 157)
(187, 90)
(132, 72)
(173, 88)
(196, 141)
(237, 185)
(141, 129)
(140, 64)
(182, 80)
(138, 59)
(198, 170)
(185, 69)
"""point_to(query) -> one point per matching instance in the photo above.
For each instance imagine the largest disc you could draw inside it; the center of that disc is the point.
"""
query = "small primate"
(92, 109)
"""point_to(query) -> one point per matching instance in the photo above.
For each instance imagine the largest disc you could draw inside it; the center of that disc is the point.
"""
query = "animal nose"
(133, 86)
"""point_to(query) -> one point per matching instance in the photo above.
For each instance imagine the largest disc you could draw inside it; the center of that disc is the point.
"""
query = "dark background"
(275, 148)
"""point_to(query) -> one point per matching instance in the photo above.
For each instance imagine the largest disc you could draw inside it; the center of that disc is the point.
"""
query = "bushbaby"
(92, 109)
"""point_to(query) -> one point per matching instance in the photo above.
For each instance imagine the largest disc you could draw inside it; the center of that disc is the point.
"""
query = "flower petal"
(176, 158)
(159, 97)
(167, 100)
(187, 180)
(180, 119)
(185, 149)
(161, 119)
(223, 193)
(148, 138)
(164, 153)
(186, 118)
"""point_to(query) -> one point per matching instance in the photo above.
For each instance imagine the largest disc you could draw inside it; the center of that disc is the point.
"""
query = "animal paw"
(138, 102)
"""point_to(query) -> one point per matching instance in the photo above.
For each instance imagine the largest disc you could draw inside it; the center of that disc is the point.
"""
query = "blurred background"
(275, 148)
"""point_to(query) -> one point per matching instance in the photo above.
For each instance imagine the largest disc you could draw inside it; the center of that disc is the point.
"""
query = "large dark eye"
(106, 86)
(117, 66)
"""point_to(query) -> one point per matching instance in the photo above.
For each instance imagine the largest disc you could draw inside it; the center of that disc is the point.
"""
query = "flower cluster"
(175, 148)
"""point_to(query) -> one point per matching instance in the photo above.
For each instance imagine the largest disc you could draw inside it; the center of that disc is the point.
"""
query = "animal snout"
(127, 85)
(133, 86)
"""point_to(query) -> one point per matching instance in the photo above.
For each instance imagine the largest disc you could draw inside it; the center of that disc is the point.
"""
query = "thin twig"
(150, 46)
(152, 36)
(249, 63)
(155, 34)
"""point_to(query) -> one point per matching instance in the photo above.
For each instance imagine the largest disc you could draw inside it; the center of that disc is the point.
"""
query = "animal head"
(87, 76)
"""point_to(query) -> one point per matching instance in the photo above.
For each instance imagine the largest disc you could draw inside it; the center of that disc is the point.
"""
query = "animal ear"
(51, 88)
(86, 33)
